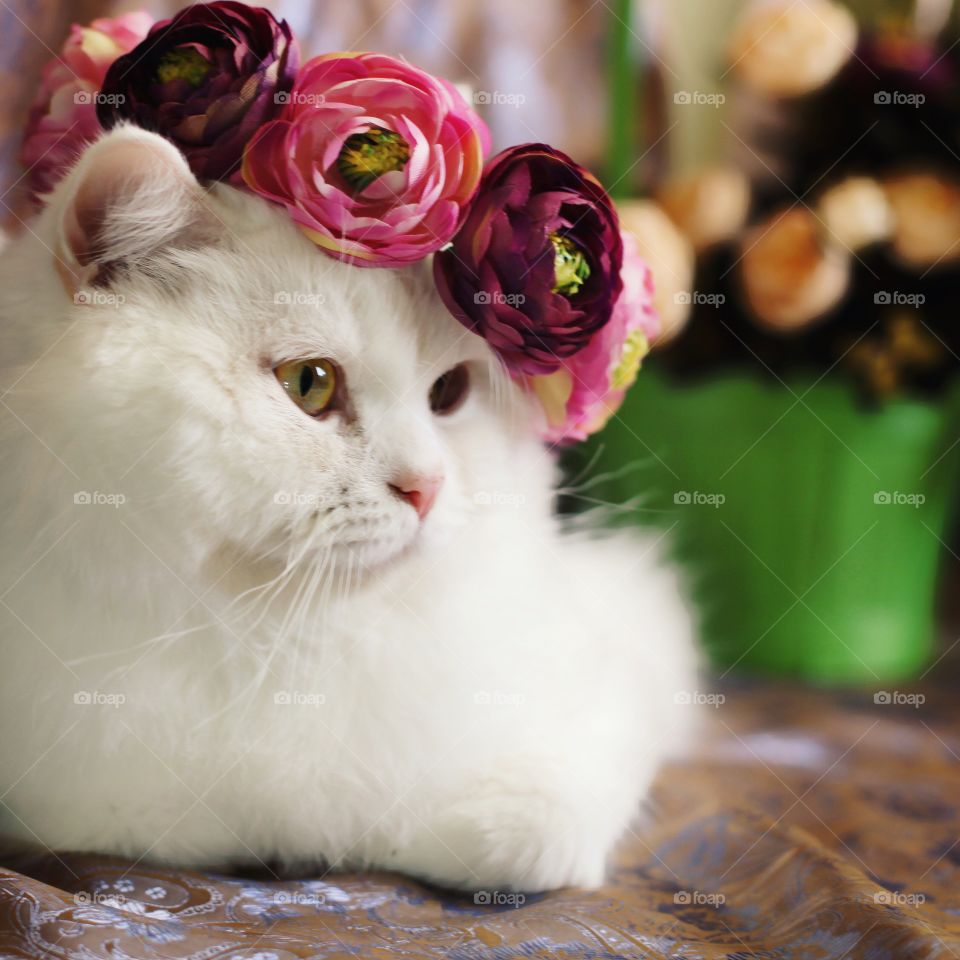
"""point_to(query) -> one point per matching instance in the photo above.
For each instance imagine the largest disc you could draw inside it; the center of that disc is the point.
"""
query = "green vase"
(810, 526)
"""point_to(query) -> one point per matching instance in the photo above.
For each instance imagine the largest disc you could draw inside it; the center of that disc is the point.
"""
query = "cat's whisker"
(318, 568)
(622, 506)
(246, 694)
(267, 592)
(294, 606)
(142, 644)
(159, 641)
(353, 568)
(585, 471)
(574, 486)
(601, 515)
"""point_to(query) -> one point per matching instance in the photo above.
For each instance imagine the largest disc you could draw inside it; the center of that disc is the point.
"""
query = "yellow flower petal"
(98, 46)
(553, 391)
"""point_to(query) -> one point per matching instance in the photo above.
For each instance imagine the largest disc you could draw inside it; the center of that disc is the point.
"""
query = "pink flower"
(63, 118)
(373, 158)
(580, 397)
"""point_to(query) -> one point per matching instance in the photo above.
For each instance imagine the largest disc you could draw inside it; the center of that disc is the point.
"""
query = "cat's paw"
(508, 834)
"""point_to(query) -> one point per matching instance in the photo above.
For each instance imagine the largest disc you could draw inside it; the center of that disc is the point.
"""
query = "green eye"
(311, 384)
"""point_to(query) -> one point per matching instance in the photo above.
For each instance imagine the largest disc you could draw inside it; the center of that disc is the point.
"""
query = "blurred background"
(791, 170)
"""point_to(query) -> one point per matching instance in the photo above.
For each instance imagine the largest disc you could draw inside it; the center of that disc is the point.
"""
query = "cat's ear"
(130, 195)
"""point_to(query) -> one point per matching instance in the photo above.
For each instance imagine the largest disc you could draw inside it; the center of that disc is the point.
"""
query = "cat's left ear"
(130, 195)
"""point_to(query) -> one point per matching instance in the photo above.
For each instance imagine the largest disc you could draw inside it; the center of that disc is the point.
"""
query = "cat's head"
(192, 351)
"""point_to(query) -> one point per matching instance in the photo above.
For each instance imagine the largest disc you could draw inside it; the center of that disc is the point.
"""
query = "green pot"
(811, 527)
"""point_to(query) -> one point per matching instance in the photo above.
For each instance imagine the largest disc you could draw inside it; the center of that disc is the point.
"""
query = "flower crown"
(380, 164)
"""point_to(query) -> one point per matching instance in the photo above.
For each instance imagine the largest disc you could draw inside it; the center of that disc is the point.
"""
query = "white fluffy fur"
(480, 700)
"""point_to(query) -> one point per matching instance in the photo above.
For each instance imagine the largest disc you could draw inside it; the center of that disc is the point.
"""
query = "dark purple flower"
(206, 80)
(535, 268)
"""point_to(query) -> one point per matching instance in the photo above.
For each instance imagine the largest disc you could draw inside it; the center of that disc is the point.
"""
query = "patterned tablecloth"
(807, 825)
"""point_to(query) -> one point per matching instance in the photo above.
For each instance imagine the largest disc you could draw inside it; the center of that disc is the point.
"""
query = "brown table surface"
(806, 825)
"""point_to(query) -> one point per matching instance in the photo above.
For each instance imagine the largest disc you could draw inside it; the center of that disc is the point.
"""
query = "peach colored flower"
(790, 47)
(709, 205)
(792, 274)
(671, 258)
(926, 214)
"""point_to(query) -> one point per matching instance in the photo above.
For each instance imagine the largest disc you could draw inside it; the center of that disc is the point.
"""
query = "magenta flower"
(207, 80)
(372, 157)
(580, 397)
(535, 269)
(63, 117)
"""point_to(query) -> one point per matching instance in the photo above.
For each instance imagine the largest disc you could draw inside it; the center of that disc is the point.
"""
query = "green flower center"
(570, 267)
(184, 63)
(635, 348)
(366, 156)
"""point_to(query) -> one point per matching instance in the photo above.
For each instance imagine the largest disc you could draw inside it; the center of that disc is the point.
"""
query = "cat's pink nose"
(419, 492)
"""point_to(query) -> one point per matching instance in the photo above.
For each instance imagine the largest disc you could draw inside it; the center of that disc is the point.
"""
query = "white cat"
(234, 633)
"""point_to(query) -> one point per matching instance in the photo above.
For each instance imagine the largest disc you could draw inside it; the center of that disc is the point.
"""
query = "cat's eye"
(311, 384)
(449, 391)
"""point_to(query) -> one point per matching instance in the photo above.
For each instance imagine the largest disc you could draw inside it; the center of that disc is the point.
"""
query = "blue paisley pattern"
(805, 826)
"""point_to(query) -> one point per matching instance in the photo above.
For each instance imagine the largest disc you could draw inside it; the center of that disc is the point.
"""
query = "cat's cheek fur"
(226, 642)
